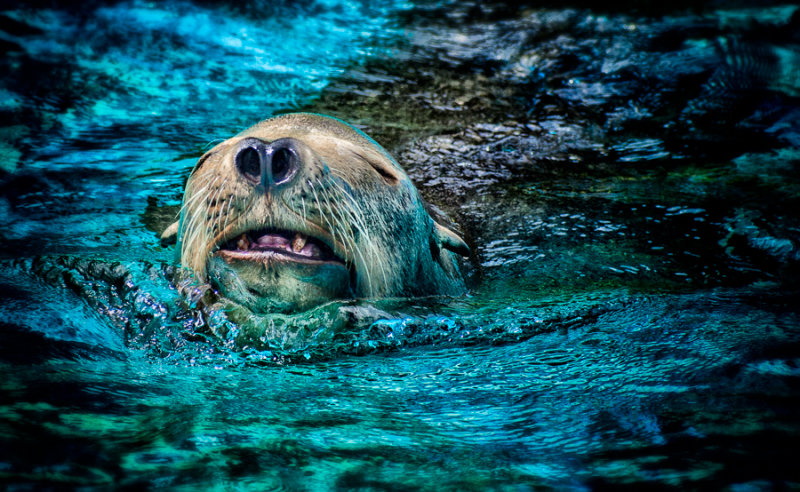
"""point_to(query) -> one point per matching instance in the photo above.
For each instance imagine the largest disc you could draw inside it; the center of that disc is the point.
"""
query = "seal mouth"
(278, 244)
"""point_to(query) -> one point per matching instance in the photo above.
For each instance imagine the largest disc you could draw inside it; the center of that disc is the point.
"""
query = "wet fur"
(351, 194)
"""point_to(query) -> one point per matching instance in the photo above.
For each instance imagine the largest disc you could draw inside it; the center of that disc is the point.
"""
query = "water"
(625, 176)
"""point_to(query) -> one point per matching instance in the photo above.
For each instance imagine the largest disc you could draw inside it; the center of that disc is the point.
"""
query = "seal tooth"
(243, 243)
(299, 242)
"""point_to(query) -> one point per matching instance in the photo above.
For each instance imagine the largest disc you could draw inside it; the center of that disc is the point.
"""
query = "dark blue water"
(626, 176)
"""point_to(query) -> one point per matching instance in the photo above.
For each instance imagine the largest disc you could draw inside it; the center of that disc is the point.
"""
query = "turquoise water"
(626, 178)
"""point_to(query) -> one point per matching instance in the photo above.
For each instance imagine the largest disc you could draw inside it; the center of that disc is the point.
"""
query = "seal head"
(302, 209)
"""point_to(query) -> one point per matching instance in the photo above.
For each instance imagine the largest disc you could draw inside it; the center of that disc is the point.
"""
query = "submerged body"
(302, 209)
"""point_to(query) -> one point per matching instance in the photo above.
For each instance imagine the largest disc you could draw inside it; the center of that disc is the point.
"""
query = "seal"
(302, 209)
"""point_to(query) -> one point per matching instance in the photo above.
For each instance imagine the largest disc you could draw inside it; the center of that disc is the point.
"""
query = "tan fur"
(351, 194)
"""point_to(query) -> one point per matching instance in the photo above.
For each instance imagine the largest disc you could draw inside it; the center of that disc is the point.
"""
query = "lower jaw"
(273, 285)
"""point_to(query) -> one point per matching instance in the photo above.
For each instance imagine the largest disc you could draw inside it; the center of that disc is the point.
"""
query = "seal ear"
(448, 239)
(170, 234)
(443, 236)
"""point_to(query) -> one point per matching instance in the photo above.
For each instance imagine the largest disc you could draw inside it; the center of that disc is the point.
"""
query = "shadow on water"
(626, 177)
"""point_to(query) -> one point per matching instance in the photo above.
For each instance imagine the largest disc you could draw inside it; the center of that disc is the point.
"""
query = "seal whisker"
(190, 201)
(322, 211)
(196, 226)
(193, 228)
(354, 208)
(357, 216)
(203, 182)
(338, 219)
(358, 219)
(211, 226)
(227, 212)
(189, 207)
(348, 239)
(303, 203)
(187, 202)
(202, 174)
(336, 226)
(358, 223)
(214, 142)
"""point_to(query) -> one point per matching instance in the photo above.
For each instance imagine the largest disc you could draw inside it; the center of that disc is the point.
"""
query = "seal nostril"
(283, 165)
(248, 163)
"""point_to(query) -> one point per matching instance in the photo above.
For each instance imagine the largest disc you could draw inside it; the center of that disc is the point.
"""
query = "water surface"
(625, 176)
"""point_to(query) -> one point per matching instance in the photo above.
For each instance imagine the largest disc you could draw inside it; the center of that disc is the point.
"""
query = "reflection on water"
(626, 178)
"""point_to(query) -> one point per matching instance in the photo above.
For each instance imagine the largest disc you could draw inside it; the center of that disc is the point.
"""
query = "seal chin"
(274, 270)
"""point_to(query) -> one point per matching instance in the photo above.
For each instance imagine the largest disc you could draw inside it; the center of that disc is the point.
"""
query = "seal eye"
(248, 163)
(282, 165)
(390, 178)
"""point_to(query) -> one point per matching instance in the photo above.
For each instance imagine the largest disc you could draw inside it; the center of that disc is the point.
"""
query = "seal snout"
(269, 165)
